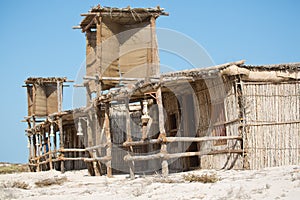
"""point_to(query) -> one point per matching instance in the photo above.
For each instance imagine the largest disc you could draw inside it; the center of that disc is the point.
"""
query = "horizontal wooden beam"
(96, 147)
(142, 142)
(178, 155)
(72, 150)
(101, 159)
(181, 139)
(76, 27)
(202, 139)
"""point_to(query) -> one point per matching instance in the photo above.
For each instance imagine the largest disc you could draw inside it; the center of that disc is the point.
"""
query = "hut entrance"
(189, 130)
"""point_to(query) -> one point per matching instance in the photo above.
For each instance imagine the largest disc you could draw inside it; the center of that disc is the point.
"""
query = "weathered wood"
(202, 139)
(96, 147)
(71, 150)
(142, 142)
(87, 27)
(59, 96)
(61, 143)
(96, 169)
(271, 123)
(180, 139)
(128, 132)
(116, 78)
(49, 150)
(108, 140)
(99, 54)
(101, 159)
(155, 69)
(166, 156)
(165, 169)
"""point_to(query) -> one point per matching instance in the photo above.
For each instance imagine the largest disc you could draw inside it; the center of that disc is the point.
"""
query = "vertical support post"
(38, 153)
(89, 131)
(61, 144)
(164, 164)
(55, 146)
(50, 151)
(95, 163)
(59, 96)
(95, 112)
(34, 147)
(88, 51)
(74, 145)
(154, 52)
(29, 146)
(108, 140)
(128, 132)
(99, 53)
(242, 129)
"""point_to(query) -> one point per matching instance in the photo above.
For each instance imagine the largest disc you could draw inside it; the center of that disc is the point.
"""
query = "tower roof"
(126, 15)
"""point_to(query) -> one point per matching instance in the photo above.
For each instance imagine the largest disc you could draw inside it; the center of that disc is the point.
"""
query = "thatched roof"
(264, 73)
(39, 80)
(126, 15)
(282, 66)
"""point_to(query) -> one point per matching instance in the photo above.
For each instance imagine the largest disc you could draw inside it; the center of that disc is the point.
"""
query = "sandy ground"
(270, 183)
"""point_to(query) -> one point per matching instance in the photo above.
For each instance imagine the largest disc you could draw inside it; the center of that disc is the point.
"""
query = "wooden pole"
(99, 53)
(164, 164)
(61, 143)
(37, 151)
(29, 147)
(88, 51)
(97, 116)
(49, 150)
(154, 52)
(59, 96)
(90, 143)
(96, 169)
(242, 129)
(34, 147)
(167, 156)
(182, 139)
(108, 140)
(128, 132)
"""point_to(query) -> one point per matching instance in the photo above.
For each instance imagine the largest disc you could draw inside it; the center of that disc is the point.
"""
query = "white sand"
(270, 183)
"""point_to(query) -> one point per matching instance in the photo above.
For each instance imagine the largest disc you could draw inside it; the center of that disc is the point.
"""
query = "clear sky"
(36, 39)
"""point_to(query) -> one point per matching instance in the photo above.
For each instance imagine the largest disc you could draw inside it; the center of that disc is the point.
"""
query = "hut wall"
(217, 103)
(272, 121)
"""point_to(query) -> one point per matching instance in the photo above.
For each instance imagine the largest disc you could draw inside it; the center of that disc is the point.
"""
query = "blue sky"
(37, 39)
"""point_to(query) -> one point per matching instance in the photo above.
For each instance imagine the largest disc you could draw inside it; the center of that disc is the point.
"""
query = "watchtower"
(121, 45)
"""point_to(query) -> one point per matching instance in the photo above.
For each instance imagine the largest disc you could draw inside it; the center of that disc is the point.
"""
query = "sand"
(269, 183)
